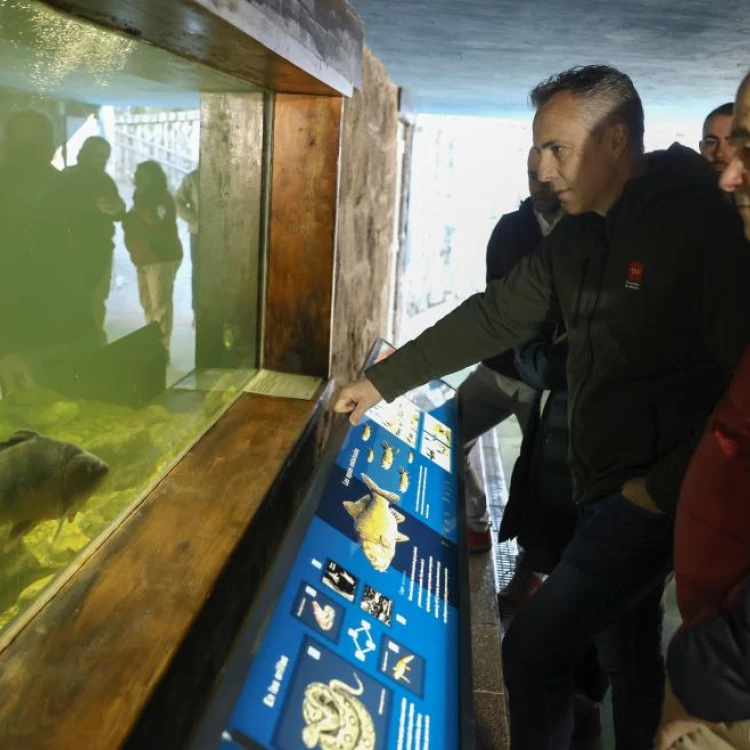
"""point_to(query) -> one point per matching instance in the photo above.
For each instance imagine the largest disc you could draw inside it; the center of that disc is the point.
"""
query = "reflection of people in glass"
(187, 198)
(96, 206)
(154, 246)
(44, 300)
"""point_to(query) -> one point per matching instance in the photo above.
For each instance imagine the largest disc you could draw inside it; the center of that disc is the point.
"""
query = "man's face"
(574, 161)
(716, 147)
(736, 176)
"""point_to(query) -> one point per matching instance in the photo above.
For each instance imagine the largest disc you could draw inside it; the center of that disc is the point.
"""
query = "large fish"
(376, 524)
(42, 479)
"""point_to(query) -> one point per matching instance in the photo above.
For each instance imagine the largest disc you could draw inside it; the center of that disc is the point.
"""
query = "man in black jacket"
(649, 273)
(494, 391)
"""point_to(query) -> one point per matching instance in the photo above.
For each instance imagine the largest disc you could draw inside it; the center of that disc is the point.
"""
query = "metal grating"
(486, 457)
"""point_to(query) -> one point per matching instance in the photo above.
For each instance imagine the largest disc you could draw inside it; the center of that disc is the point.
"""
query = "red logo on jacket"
(635, 275)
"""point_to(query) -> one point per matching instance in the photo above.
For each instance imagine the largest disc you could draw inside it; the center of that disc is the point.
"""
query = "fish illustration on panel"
(402, 668)
(376, 524)
(335, 718)
(370, 456)
(411, 458)
(388, 455)
(403, 482)
(366, 432)
(43, 479)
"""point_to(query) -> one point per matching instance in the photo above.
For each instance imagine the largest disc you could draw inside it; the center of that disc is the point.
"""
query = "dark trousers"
(607, 587)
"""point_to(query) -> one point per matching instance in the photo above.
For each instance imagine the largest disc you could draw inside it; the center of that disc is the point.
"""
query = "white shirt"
(547, 226)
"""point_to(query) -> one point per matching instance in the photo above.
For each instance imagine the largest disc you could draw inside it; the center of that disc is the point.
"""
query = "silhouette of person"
(96, 206)
(154, 245)
(44, 300)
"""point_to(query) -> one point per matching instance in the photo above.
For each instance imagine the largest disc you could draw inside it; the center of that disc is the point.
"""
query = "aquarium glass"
(129, 297)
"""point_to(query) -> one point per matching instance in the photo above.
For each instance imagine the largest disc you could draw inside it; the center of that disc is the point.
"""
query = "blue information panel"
(363, 650)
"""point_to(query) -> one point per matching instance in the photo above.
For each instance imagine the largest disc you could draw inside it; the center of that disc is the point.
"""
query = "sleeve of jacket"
(709, 664)
(137, 241)
(509, 312)
(722, 305)
(114, 196)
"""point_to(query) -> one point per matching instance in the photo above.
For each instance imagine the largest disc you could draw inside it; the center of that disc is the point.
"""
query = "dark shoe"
(480, 541)
(521, 587)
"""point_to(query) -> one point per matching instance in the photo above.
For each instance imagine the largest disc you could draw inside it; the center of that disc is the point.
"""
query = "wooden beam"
(231, 181)
(302, 241)
(81, 673)
(292, 46)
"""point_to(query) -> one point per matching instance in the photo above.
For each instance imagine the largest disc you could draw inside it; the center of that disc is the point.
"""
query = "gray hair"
(609, 94)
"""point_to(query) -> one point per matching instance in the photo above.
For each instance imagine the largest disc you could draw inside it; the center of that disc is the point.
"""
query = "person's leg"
(163, 278)
(144, 292)
(616, 555)
(99, 297)
(630, 653)
(486, 400)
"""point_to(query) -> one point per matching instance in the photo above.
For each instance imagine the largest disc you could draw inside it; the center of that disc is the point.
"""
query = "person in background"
(494, 391)
(707, 703)
(44, 295)
(649, 244)
(96, 206)
(540, 512)
(154, 245)
(187, 198)
(715, 146)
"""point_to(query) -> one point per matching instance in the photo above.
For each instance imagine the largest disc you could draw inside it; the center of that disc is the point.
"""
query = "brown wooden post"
(231, 180)
(302, 238)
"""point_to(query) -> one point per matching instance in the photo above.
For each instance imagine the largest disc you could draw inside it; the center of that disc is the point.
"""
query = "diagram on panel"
(363, 642)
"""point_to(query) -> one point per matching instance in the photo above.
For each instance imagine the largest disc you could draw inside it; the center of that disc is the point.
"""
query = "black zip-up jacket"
(515, 236)
(656, 301)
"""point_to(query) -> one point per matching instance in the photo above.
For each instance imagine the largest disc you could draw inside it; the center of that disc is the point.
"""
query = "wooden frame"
(84, 672)
(280, 46)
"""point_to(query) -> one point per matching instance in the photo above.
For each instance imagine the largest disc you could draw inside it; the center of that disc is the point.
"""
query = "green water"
(138, 444)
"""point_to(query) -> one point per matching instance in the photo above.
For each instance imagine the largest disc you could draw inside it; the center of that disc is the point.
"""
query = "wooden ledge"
(81, 673)
(295, 47)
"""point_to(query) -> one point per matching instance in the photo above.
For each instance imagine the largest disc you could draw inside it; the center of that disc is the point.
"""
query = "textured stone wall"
(366, 225)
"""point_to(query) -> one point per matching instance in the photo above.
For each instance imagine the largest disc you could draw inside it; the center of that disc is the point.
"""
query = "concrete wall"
(366, 225)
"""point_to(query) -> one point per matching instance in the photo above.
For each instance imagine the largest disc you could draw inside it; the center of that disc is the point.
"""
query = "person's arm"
(709, 664)
(137, 239)
(183, 199)
(509, 312)
(111, 203)
(723, 310)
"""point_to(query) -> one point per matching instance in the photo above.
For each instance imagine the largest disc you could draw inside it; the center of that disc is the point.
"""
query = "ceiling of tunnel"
(481, 57)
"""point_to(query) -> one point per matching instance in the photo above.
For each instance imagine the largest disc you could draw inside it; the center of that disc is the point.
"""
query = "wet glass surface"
(103, 253)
